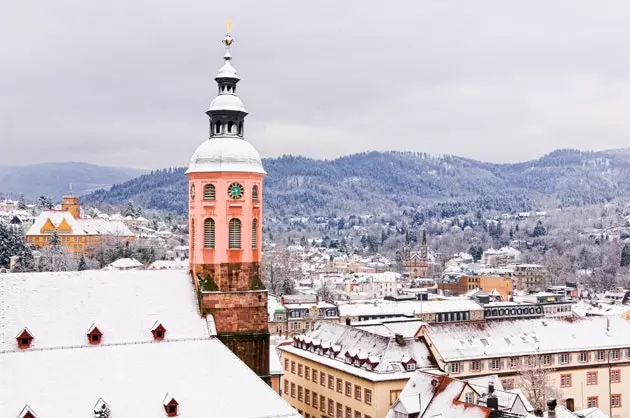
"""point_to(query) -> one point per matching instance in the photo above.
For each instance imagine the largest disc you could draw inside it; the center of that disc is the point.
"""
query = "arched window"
(219, 126)
(208, 233)
(254, 234)
(230, 127)
(255, 193)
(235, 233)
(192, 234)
(240, 128)
(209, 192)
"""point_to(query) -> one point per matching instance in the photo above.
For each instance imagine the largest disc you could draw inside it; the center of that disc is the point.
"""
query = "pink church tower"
(225, 223)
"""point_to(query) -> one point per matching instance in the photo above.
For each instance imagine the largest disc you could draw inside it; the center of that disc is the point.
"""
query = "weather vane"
(228, 40)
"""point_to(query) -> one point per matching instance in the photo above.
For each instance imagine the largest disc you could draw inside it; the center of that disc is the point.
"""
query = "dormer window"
(158, 331)
(27, 412)
(24, 339)
(101, 409)
(171, 406)
(94, 335)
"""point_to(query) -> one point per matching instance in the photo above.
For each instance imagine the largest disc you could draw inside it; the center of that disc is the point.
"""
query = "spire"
(227, 112)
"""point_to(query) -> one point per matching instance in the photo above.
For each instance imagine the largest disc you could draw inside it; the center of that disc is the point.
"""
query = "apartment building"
(432, 311)
(340, 371)
(589, 359)
(529, 277)
(499, 286)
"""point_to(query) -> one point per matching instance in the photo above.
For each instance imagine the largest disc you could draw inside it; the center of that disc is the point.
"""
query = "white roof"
(227, 102)
(227, 70)
(408, 307)
(126, 263)
(191, 364)
(525, 337)
(220, 154)
(80, 226)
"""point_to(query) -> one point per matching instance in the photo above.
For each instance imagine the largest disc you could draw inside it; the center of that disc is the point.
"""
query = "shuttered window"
(208, 233)
(255, 193)
(254, 234)
(235, 233)
(209, 192)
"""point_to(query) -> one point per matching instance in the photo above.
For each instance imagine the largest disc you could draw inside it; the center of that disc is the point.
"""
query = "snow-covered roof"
(227, 102)
(79, 226)
(123, 263)
(62, 374)
(408, 307)
(225, 154)
(525, 337)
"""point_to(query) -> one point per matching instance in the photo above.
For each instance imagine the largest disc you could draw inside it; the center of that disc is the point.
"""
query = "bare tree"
(536, 382)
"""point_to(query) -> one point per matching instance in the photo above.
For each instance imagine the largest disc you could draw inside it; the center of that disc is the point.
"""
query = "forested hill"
(376, 182)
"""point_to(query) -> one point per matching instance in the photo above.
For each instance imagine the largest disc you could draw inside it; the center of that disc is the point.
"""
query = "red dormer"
(24, 339)
(94, 335)
(171, 406)
(409, 365)
(27, 413)
(158, 331)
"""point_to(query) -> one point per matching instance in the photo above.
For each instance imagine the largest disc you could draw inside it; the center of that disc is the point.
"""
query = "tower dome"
(226, 150)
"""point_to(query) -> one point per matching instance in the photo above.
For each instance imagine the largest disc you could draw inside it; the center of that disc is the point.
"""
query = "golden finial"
(228, 40)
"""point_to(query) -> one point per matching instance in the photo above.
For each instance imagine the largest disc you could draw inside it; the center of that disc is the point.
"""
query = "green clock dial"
(235, 191)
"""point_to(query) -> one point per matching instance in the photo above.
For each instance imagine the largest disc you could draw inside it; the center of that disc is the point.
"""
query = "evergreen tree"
(82, 264)
(22, 203)
(44, 202)
(625, 255)
(539, 230)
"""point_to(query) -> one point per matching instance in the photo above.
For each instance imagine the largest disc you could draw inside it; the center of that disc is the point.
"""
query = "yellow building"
(78, 234)
(587, 360)
(337, 370)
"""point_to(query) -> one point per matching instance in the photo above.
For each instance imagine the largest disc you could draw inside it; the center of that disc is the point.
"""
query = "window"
(331, 382)
(546, 360)
(339, 410)
(357, 392)
(475, 365)
(292, 390)
(591, 378)
(300, 392)
(495, 364)
(564, 358)
(357, 414)
(615, 376)
(592, 402)
(331, 407)
(299, 370)
(286, 364)
(615, 355)
(583, 357)
(315, 398)
(322, 379)
(565, 380)
(307, 396)
(455, 367)
(368, 396)
(286, 387)
(348, 389)
(470, 398)
(339, 385)
(615, 400)
(254, 234)
(255, 193)
(393, 395)
(209, 192)
(508, 384)
(601, 356)
(412, 366)
(293, 367)
(235, 234)
(307, 373)
(348, 412)
(322, 403)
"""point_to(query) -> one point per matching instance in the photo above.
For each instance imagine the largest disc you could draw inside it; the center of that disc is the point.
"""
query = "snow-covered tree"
(536, 382)
(44, 202)
(22, 203)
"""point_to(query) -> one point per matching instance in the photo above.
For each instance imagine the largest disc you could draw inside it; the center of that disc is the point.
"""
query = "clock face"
(235, 191)
(192, 191)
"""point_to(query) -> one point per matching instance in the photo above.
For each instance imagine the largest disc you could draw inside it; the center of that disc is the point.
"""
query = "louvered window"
(235, 233)
(208, 233)
(254, 234)
(255, 193)
(209, 192)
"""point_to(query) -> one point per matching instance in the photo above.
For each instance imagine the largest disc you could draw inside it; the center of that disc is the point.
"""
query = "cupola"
(94, 335)
(24, 338)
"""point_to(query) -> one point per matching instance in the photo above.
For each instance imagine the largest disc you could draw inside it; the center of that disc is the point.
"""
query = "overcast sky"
(127, 82)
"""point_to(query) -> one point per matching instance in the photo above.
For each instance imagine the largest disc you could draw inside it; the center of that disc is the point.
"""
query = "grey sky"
(127, 83)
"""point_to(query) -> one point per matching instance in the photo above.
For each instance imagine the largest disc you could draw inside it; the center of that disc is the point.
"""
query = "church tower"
(225, 225)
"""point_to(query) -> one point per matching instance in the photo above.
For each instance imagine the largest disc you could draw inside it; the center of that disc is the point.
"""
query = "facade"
(225, 183)
(292, 315)
(384, 284)
(529, 277)
(587, 359)
(461, 285)
(342, 371)
(501, 257)
(79, 235)
(416, 264)
(129, 342)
